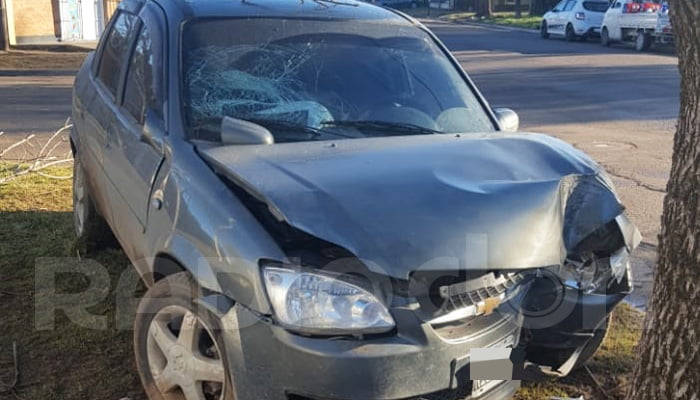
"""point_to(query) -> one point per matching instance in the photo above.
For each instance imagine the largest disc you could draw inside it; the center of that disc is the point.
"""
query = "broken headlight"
(594, 274)
(317, 303)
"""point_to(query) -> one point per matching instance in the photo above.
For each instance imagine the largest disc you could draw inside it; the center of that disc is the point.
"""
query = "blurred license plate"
(481, 386)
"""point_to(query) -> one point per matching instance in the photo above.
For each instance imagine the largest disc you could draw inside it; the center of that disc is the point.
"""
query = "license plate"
(481, 386)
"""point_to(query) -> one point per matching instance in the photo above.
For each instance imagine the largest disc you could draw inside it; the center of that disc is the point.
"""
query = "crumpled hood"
(440, 202)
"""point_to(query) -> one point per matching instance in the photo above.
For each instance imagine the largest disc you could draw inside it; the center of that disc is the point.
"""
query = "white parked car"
(574, 19)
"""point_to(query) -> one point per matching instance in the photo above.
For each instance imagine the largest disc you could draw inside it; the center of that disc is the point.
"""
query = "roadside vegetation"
(68, 362)
(42, 60)
(73, 362)
(498, 18)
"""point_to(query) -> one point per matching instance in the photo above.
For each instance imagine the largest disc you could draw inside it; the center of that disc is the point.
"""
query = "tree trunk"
(539, 7)
(4, 34)
(518, 6)
(484, 8)
(668, 361)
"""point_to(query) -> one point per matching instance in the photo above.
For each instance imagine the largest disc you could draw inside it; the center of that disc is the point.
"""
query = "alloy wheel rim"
(79, 203)
(184, 360)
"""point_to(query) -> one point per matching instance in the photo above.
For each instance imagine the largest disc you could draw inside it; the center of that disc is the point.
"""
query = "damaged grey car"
(323, 206)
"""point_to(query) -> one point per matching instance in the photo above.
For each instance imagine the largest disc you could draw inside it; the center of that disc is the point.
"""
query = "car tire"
(605, 37)
(642, 41)
(552, 357)
(174, 363)
(569, 34)
(590, 348)
(544, 33)
(89, 226)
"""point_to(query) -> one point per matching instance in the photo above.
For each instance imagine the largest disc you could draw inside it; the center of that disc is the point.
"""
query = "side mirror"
(238, 131)
(555, 10)
(153, 130)
(508, 119)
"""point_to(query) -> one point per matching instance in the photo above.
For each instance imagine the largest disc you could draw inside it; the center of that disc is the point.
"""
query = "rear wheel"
(88, 224)
(569, 35)
(543, 30)
(605, 37)
(642, 42)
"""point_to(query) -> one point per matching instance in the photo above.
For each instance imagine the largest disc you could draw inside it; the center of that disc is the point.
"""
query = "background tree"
(539, 7)
(484, 8)
(668, 361)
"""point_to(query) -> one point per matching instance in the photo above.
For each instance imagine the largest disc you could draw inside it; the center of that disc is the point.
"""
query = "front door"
(612, 20)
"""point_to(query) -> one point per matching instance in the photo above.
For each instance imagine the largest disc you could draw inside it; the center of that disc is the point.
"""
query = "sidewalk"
(59, 47)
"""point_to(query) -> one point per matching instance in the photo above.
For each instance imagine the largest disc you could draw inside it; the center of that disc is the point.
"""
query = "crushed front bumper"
(417, 361)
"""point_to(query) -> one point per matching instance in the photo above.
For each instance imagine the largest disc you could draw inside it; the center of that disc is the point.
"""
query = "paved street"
(618, 105)
(33, 102)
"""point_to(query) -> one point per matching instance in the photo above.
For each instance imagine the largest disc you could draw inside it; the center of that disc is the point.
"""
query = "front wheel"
(543, 30)
(605, 37)
(179, 347)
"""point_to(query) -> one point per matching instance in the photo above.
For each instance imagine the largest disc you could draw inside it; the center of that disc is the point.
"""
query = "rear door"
(137, 153)
(97, 109)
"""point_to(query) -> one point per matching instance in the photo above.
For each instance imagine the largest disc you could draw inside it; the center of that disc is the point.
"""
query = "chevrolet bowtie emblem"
(487, 306)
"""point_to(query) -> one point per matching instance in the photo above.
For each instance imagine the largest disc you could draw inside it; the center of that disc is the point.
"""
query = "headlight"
(595, 274)
(321, 304)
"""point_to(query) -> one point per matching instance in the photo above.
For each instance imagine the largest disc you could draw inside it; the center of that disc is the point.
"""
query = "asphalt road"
(618, 105)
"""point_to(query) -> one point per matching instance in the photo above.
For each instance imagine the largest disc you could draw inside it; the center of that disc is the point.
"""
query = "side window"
(569, 6)
(560, 6)
(115, 51)
(139, 94)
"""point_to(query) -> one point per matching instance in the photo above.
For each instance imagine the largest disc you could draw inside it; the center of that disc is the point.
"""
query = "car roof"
(311, 9)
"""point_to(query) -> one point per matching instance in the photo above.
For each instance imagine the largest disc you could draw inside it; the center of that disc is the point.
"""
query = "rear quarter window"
(116, 50)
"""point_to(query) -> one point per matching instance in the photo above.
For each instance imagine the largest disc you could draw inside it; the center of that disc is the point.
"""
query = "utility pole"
(4, 29)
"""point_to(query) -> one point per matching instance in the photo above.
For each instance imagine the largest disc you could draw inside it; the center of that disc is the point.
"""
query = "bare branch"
(45, 158)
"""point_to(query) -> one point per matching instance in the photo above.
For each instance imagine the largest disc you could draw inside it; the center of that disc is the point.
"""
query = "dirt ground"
(41, 60)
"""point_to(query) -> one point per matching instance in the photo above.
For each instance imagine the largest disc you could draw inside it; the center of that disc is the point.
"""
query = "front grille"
(465, 294)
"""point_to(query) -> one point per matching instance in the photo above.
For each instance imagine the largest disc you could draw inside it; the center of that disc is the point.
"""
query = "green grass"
(611, 366)
(68, 362)
(526, 21)
(500, 18)
(73, 362)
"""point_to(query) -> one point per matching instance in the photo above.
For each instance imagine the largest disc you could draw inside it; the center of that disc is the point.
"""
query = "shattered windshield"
(315, 79)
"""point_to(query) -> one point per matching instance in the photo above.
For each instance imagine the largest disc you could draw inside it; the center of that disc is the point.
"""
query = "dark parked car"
(324, 207)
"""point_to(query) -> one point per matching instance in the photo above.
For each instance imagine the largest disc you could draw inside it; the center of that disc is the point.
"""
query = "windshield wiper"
(397, 128)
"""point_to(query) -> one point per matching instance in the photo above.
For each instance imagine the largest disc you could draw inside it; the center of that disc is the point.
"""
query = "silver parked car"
(325, 207)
